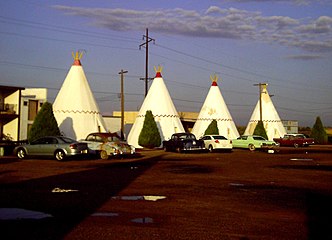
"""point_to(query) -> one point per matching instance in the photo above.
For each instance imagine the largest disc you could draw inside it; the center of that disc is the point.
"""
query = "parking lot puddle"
(136, 198)
(19, 214)
(143, 220)
(59, 190)
(105, 214)
(236, 184)
(301, 159)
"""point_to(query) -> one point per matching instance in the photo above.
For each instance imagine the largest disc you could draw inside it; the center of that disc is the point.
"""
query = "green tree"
(212, 129)
(149, 136)
(44, 124)
(318, 132)
(260, 130)
(241, 129)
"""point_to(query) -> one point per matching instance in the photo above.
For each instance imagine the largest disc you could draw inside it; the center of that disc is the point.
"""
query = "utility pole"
(122, 104)
(146, 44)
(260, 87)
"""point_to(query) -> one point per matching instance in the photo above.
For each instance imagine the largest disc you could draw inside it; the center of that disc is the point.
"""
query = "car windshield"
(188, 136)
(113, 139)
(220, 137)
(259, 138)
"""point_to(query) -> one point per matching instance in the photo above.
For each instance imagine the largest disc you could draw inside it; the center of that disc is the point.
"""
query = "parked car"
(294, 140)
(107, 144)
(183, 142)
(252, 142)
(58, 147)
(215, 142)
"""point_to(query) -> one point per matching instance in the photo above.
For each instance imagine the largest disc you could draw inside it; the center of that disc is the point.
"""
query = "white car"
(214, 142)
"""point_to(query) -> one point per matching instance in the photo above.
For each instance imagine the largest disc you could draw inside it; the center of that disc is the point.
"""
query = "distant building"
(18, 109)
(291, 126)
(10, 108)
(32, 100)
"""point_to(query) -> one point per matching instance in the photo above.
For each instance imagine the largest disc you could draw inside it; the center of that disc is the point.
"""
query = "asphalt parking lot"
(163, 195)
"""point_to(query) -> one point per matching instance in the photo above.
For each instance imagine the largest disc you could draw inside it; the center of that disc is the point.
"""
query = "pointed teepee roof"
(271, 120)
(160, 103)
(75, 107)
(214, 108)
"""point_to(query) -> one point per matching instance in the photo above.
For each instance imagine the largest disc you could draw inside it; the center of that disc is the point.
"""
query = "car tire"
(251, 147)
(103, 155)
(21, 154)
(59, 155)
(165, 148)
(210, 148)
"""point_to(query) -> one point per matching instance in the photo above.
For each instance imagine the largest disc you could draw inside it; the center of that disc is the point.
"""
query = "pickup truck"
(294, 140)
(180, 142)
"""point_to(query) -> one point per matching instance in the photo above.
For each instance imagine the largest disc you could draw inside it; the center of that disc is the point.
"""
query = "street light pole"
(260, 86)
(122, 104)
(146, 44)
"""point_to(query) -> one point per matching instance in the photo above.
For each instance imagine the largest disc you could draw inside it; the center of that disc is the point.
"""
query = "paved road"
(158, 195)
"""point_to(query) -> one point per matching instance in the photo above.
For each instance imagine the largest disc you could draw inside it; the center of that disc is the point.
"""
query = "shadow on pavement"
(319, 212)
(91, 188)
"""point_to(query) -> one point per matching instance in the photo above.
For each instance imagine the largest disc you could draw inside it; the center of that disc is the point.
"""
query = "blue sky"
(285, 43)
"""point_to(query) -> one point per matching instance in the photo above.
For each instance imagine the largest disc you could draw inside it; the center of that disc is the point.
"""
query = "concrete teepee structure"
(214, 108)
(160, 103)
(266, 111)
(75, 107)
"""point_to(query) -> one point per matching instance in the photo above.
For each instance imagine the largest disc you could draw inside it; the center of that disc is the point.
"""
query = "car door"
(42, 147)
(94, 142)
(243, 142)
(49, 146)
(34, 147)
(207, 141)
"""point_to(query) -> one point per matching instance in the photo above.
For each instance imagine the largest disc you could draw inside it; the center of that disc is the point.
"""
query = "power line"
(68, 41)
(233, 68)
(63, 29)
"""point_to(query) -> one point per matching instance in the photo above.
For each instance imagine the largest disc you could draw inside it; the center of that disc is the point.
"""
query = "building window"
(29, 128)
(33, 109)
(25, 103)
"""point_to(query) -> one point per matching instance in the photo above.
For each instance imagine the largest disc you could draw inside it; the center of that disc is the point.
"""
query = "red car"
(294, 140)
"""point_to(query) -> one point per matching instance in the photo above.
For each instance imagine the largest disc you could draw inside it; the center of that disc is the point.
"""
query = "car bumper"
(194, 149)
(78, 152)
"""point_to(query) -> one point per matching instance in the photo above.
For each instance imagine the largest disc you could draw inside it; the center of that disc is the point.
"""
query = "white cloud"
(305, 57)
(216, 22)
(294, 2)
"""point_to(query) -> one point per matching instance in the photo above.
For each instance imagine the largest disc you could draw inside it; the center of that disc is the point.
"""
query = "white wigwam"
(214, 108)
(160, 103)
(271, 120)
(75, 107)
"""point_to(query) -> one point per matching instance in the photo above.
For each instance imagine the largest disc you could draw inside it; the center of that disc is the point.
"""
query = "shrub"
(318, 132)
(44, 124)
(260, 130)
(149, 136)
(212, 129)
